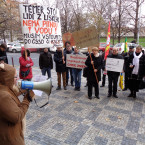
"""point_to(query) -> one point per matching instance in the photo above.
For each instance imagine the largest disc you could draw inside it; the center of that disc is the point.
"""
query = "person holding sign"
(60, 60)
(26, 64)
(95, 60)
(68, 50)
(77, 73)
(136, 71)
(112, 75)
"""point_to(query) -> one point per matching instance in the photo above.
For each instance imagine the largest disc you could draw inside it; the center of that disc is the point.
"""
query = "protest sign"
(68, 37)
(76, 61)
(86, 37)
(40, 26)
(115, 65)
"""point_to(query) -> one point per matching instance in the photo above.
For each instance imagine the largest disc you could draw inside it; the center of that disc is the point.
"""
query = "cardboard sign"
(86, 37)
(76, 61)
(40, 26)
(115, 65)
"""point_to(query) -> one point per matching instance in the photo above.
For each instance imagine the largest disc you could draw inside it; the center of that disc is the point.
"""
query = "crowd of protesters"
(12, 118)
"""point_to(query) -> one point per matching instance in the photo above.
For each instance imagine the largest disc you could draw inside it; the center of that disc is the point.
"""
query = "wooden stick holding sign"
(93, 65)
(62, 55)
(25, 53)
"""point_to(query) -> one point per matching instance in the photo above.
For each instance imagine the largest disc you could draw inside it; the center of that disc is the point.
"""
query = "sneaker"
(75, 88)
(58, 88)
(102, 86)
(115, 96)
(65, 88)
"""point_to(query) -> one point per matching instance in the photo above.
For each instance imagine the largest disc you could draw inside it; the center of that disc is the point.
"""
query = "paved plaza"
(71, 118)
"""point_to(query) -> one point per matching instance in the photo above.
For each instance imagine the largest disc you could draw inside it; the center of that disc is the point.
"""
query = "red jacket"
(23, 67)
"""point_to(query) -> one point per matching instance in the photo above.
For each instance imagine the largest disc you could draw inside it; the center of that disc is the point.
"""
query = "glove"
(28, 65)
(30, 95)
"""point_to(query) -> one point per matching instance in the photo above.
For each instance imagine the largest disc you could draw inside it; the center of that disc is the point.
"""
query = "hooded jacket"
(23, 67)
(12, 111)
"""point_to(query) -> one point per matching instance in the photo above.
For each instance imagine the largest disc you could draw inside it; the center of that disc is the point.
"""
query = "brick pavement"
(71, 118)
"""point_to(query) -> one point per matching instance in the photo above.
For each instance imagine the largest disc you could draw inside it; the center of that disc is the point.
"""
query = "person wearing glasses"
(12, 110)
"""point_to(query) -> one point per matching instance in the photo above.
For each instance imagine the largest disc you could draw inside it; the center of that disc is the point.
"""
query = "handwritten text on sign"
(115, 65)
(40, 25)
(76, 61)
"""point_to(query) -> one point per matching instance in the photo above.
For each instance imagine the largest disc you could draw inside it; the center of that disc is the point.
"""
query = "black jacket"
(111, 73)
(3, 56)
(45, 60)
(97, 64)
(141, 71)
(60, 67)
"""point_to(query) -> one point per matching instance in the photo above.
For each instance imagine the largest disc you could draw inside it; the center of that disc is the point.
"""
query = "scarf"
(136, 63)
(97, 55)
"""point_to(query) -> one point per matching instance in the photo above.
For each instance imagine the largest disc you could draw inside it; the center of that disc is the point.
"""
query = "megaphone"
(45, 86)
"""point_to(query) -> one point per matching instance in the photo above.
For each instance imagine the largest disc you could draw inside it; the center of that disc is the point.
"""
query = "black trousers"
(67, 75)
(103, 80)
(112, 80)
(126, 80)
(92, 84)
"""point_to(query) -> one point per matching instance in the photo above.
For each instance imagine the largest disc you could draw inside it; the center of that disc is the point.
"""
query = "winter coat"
(60, 67)
(141, 72)
(12, 111)
(97, 64)
(23, 67)
(111, 73)
(45, 60)
(3, 56)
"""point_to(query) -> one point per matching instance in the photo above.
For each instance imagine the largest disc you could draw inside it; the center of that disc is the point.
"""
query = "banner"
(107, 43)
(115, 65)
(76, 61)
(40, 26)
(86, 37)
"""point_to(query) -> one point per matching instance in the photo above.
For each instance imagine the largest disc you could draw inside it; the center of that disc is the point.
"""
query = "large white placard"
(76, 61)
(115, 65)
(40, 26)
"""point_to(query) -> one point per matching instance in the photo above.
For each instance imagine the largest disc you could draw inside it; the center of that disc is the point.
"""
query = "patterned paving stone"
(71, 118)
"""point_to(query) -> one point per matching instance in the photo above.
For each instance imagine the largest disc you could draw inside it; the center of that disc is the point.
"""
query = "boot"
(134, 94)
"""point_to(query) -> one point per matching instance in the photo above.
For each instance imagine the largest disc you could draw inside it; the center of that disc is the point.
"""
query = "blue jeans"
(77, 77)
(48, 70)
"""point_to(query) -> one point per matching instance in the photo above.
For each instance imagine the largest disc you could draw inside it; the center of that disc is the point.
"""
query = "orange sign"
(68, 37)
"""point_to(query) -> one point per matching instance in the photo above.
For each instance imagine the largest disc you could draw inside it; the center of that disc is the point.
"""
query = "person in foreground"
(92, 82)
(12, 111)
(136, 71)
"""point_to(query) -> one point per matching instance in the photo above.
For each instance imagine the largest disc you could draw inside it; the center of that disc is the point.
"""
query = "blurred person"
(46, 62)
(3, 55)
(12, 111)
(68, 50)
(136, 67)
(92, 82)
(26, 64)
(113, 76)
(77, 73)
(60, 61)
(126, 64)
